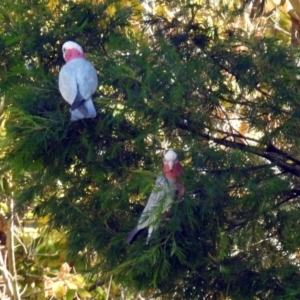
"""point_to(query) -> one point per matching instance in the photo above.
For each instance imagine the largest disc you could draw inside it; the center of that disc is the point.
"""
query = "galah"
(77, 82)
(162, 196)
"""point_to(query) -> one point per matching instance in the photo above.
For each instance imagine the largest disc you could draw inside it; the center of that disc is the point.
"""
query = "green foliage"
(235, 232)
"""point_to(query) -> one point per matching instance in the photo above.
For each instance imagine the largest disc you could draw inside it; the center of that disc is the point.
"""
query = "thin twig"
(109, 286)
(10, 250)
(6, 275)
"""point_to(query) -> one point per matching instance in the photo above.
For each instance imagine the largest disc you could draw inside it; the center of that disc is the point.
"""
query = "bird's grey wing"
(87, 78)
(67, 83)
(158, 202)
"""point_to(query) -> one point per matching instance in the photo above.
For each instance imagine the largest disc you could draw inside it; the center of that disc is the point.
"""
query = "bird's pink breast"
(73, 53)
(175, 172)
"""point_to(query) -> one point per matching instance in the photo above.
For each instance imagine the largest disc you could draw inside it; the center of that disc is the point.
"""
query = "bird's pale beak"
(171, 164)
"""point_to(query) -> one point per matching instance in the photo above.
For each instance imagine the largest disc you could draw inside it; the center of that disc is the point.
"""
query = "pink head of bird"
(172, 167)
(72, 50)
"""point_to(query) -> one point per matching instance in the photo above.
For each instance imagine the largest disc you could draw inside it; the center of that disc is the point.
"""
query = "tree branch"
(279, 158)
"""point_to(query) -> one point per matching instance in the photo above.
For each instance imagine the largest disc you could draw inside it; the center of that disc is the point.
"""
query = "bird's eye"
(64, 49)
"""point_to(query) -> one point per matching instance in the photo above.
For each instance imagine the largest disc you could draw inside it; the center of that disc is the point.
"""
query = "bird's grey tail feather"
(79, 104)
(132, 234)
(82, 108)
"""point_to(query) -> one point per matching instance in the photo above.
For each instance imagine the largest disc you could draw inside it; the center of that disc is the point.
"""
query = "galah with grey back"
(161, 198)
(77, 82)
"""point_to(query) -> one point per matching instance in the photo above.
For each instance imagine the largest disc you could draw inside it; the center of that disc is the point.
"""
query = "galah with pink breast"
(161, 198)
(77, 82)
